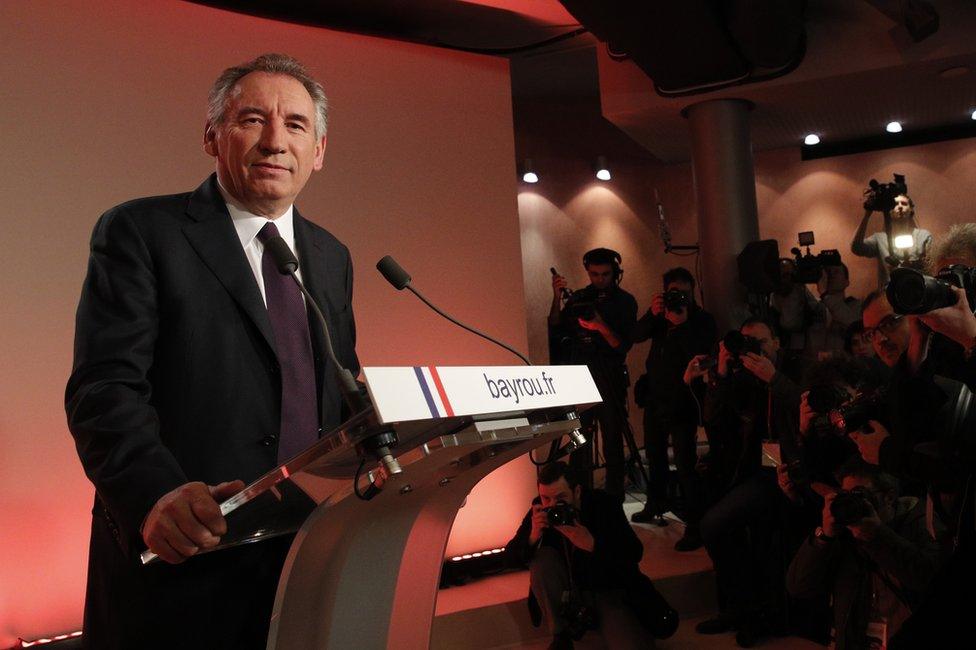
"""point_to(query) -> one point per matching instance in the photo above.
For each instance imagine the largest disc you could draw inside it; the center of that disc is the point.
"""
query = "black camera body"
(880, 197)
(912, 292)
(850, 415)
(738, 344)
(584, 303)
(851, 506)
(561, 514)
(675, 300)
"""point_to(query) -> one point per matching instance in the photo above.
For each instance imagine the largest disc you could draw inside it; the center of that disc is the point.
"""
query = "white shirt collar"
(247, 224)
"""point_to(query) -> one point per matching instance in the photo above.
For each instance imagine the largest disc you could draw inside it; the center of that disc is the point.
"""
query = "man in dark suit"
(194, 374)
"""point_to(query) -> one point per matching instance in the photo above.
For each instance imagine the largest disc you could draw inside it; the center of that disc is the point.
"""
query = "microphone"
(287, 264)
(400, 280)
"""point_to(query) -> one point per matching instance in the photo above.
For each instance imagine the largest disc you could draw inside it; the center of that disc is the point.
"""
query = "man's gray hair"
(959, 241)
(223, 88)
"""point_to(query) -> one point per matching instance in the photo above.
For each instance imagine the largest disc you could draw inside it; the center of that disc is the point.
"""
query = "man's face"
(888, 333)
(559, 491)
(266, 147)
(903, 208)
(770, 345)
(861, 346)
(601, 275)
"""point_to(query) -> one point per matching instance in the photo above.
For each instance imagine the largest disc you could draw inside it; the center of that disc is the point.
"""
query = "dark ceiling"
(858, 67)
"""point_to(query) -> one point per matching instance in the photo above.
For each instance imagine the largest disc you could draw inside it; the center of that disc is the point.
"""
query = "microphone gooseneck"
(400, 280)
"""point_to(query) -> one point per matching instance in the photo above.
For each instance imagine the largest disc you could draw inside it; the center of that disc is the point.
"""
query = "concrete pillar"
(725, 188)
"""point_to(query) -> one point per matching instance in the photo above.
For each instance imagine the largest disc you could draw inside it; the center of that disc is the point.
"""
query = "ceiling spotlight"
(811, 139)
(602, 171)
(973, 115)
(893, 127)
(528, 172)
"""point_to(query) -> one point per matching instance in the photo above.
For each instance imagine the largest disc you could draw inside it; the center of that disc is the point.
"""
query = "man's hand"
(187, 520)
(558, 284)
(758, 365)
(540, 522)
(806, 413)
(657, 304)
(869, 441)
(676, 317)
(724, 357)
(694, 371)
(956, 322)
(578, 535)
(786, 484)
(596, 324)
(830, 527)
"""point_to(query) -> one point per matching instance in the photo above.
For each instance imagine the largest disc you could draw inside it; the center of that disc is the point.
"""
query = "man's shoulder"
(321, 236)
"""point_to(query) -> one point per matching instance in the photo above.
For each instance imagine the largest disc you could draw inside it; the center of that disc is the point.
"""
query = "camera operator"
(874, 553)
(679, 330)
(899, 217)
(583, 560)
(594, 329)
(747, 400)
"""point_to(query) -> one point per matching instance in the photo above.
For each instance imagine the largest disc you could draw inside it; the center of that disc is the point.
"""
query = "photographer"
(828, 338)
(583, 560)
(898, 209)
(594, 329)
(748, 400)
(796, 311)
(679, 330)
(873, 553)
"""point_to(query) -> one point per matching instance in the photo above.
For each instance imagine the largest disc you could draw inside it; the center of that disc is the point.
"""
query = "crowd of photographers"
(836, 495)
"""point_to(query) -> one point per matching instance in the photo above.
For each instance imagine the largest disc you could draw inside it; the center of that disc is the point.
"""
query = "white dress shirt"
(247, 224)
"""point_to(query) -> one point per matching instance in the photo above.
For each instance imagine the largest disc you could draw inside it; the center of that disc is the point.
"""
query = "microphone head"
(393, 273)
(284, 259)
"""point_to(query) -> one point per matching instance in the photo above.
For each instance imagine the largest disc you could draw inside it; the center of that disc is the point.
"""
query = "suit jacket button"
(267, 441)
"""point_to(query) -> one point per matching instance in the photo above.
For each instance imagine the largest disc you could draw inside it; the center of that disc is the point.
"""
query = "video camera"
(912, 292)
(880, 197)
(810, 267)
(584, 302)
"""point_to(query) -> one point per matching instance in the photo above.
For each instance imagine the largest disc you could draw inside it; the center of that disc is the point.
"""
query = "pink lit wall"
(102, 102)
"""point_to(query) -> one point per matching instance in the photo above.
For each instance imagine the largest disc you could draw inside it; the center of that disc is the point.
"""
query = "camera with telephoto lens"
(880, 197)
(675, 300)
(561, 514)
(851, 506)
(912, 292)
(851, 414)
(809, 267)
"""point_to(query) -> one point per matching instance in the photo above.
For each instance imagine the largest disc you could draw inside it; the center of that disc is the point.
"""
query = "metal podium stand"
(362, 573)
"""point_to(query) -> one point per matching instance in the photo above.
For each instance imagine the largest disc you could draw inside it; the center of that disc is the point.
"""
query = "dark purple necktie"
(289, 320)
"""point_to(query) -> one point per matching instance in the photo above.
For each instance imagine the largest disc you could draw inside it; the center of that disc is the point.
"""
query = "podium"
(364, 572)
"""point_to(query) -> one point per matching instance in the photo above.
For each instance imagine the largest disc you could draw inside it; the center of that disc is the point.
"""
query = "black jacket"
(175, 379)
(672, 347)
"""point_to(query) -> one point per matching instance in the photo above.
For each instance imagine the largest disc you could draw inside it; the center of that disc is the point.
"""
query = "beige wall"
(569, 212)
(102, 102)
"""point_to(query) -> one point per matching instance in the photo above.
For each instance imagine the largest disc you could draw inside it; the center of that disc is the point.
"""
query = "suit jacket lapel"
(212, 235)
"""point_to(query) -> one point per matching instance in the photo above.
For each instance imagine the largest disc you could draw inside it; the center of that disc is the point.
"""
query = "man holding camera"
(594, 329)
(873, 553)
(748, 400)
(679, 330)
(583, 561)
(898, 209)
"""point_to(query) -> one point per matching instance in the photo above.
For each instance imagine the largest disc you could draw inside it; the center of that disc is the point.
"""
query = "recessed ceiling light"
(811, 139)
(973, 115)
(528, 171)
(893, 127)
